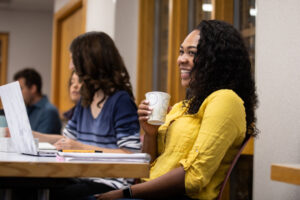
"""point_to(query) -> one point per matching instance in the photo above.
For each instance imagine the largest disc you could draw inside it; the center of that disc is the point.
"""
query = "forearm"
(43, 137)
(150, 145)
(168, 185)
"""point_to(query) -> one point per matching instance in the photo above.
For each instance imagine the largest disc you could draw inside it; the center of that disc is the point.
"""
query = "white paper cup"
(159, 102)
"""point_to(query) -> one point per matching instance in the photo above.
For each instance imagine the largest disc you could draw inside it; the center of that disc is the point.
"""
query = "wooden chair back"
(245, 142)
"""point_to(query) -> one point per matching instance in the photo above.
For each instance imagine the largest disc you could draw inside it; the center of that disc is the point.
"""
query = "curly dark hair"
(99, 65)
(222, 62)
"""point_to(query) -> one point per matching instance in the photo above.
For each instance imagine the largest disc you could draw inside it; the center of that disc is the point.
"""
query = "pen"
(80, 151)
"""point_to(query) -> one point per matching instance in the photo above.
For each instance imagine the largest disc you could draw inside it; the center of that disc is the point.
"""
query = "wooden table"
(288, 173)
(24, 166)
(18, 165)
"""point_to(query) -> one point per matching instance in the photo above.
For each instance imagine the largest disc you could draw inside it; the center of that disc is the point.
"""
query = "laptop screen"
(17, 118)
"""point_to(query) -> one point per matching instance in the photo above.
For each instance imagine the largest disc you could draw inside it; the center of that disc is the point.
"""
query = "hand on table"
(67, 143)
(7, 133)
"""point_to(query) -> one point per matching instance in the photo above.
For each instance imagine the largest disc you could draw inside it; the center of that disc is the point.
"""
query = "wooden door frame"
(4, 57)
(59, 16)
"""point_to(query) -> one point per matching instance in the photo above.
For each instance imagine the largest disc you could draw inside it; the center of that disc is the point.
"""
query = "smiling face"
(185, 61)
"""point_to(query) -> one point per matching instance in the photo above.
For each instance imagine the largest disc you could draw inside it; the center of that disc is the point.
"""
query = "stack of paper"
(6, 145)
(104, 157)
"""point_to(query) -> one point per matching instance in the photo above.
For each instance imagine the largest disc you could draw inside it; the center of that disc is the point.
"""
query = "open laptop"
(18, 122)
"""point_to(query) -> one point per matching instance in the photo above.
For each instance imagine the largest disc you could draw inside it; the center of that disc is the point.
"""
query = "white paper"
(105, 157)
(46, 146)
(17, 119)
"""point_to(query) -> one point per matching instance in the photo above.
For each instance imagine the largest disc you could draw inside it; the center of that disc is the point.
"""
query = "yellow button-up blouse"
(204, 144)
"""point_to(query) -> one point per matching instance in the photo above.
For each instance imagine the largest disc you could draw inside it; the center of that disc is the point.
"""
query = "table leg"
(5, 194)
(43, 194)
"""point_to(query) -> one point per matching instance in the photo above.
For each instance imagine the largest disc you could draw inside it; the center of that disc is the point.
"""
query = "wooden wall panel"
(145, 48)
(3, 57)
(178, 29)
(223, 10)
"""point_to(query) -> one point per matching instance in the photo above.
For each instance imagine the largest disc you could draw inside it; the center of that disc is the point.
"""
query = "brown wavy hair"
(99, 65)
(222, 62)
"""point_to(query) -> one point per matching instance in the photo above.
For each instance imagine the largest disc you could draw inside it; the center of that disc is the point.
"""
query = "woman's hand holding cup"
(152, 111)
(144, 111)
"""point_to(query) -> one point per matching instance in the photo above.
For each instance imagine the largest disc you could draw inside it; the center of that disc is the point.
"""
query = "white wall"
(58, 4)
(278, 83)
(119, 19)
(126, 35)
(30, 40)
(100, 16)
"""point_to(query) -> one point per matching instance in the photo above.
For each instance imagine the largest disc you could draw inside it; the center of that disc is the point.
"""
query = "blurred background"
(148, 33)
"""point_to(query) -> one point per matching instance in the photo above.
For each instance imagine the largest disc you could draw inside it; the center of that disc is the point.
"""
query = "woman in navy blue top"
(114, 127)
(105, 118)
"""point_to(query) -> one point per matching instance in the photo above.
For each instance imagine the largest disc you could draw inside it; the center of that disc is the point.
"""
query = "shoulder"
(123, 95)
(45, 104)
(120, 98)
(69, 113)
(48, 112)
(78, 109)
(224, 103)
(49, 107)
(121, 104)
(178, 107)
(225, 96)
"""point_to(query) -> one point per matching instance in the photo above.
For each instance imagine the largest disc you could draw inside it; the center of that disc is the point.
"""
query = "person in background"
(192, 151)
(105, 118)
(74, 86)
(43, 116)
(3, 124)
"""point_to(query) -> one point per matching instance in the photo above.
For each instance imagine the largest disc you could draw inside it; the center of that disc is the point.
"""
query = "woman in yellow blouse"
(193, 150)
